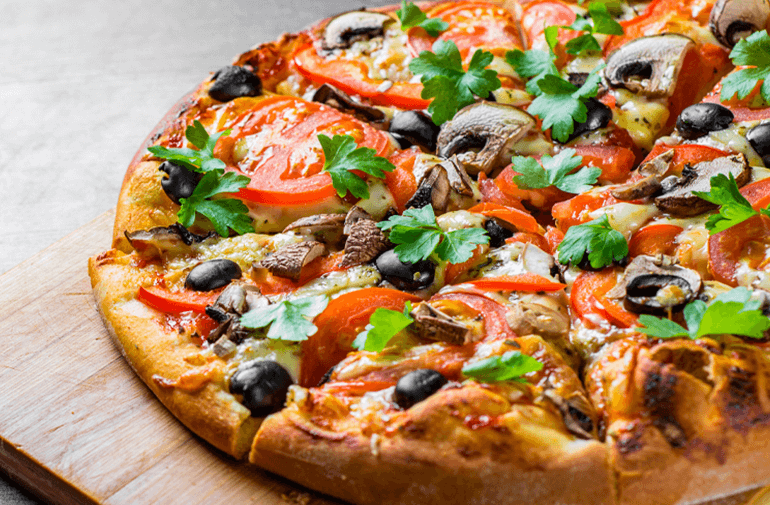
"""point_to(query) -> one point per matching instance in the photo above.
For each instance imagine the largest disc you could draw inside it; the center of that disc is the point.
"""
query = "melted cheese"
(643, 118)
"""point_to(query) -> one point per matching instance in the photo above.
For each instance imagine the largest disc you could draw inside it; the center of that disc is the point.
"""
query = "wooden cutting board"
(77, 426)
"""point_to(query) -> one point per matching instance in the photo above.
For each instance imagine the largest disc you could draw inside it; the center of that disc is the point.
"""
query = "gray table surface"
(82, 83)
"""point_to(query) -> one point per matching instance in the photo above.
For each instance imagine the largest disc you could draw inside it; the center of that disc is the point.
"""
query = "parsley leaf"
(410, 15)
(288, 320)
(753, 51)
(417, 236)
(734, 209)
(200, 160)
(561, 104)
(384, 324)
(731, 313)
(601, 22)
(223, 213)
(533, 63)
(508, 367)
(342, 156)
(554, 172)
(444, 79)
(598, 239)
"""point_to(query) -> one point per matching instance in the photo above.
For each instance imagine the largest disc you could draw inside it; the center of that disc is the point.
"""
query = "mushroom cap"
(432, 324)
(732, 20)
(349, 27)
(334, 97)
(653, 172)
(288, 261)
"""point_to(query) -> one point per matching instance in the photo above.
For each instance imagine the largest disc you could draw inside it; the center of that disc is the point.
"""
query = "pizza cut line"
(466, 252)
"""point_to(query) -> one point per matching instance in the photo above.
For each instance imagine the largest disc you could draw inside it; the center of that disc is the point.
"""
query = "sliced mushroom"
(576, 413)
(334, 97)
(678, 198)
(157, 242)
(433, 189)
(288, 261)
(492, 127)
(353, 26)
(353, 217)
(653, 172)
(432, 324)
(540, 315)
(656, 285)
(365, 242)
(732, 20)
(649, 65)
(326, 228)
(231, 304)
(413, 127)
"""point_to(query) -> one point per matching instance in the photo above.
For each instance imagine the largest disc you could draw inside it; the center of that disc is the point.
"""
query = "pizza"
(467, 252)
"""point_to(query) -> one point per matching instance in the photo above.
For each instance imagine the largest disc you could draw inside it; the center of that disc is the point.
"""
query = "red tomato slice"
(353, 77)
(554, 237)
(654, 239)
(176, 302)
(493, 313)
(575, 210)
(542, 198)
(520, 219)
(616, 162)
(542, 13)
(523, 282)
(285, 158)
(455, 270)
(491, 192)
(726, 248)
(401, 181)
(338, 325)
(587, 299)
(757, 193)
(535, 239)
(740, 108)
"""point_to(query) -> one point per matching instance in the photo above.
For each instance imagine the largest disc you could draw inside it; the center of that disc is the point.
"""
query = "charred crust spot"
(629, 443)
(741, 408)
(658, 398)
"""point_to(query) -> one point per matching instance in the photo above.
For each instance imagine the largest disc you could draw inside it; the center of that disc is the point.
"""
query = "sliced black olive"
(405, 276)
(497, 234)
(700, 119)
(418, 385)
(642, 292)
(263, 384)
(234, 82)
(180, 182)
(212, 274)
(599, 116)
(759, 138)
(416, 128)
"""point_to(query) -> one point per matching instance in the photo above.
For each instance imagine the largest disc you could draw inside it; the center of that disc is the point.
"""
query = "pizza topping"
(417, 386)
(161, 241)
(350, 27)
(682, 198)
(541, 315)
(656, 285)
(700, 119)
(343, 157)
(234, 82)
(734, 208)
(653, 172)
(364, 243)
(753, 52)
(404, 275)
(433, 190)
(223, 213)
(212, 274)
(432, 324)
(733, 20)
(414, 128)
(326, 228)
(384, 324)
(410, 15)
(288, 320)
(555, 171)
(574, 412)
(483, 135)
(649, 65)
(180, 182)
(598, 116)
(334, 97)
(759, 138)
(263, 385)
(497, 232)
(601, 22)
(511, 366)
(597, 240)
(200, 160)
(288, 261)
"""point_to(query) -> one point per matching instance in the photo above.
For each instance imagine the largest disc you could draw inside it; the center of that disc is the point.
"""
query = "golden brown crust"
(161, 355)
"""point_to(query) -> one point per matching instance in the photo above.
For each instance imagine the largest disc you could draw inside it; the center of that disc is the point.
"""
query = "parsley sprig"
(734, 208)
(410, 15)
(534, 64)
(598, 239)
(342, 156)
(511, 366)
(753, 51)
(197, 160)
(555, 171)
(418, 236)
(731, 313)
(600, 21)
(224, 213)
(384, 324)
(444, 79)
(287, 320)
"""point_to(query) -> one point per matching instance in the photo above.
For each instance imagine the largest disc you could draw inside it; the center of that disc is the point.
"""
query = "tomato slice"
(270, 284)
(542, 13)
(401, 181)
(535, 239)
(542, 198)
(522, 282)
(654, 239)
(615, 162)
(338, 325)
(728, 247)
(741, 109)
(176, 302)
(587, 299)
(472, 25)
(757, 193)
(285, 159)
(493, 313)
(520, 219)
(576, 210)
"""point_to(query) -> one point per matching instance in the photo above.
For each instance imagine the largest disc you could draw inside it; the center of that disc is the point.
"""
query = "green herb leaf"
(508, 367)
(224, 213)
(734, 208)
(603, 20)
(343, 156)
(731, 313)
(562, 104)
(533, 63)
(384, 324)
(582, 44)
(444, 79)
(410, 15)
(598, 239)
(288, 320)
(201, 160)
(753, 51)
(555, 171)
(417, 236)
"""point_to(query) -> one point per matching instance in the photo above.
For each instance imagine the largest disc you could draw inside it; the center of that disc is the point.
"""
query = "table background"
(82, 83)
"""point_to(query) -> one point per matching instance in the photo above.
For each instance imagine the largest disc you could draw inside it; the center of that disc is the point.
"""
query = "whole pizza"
(467, 252)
